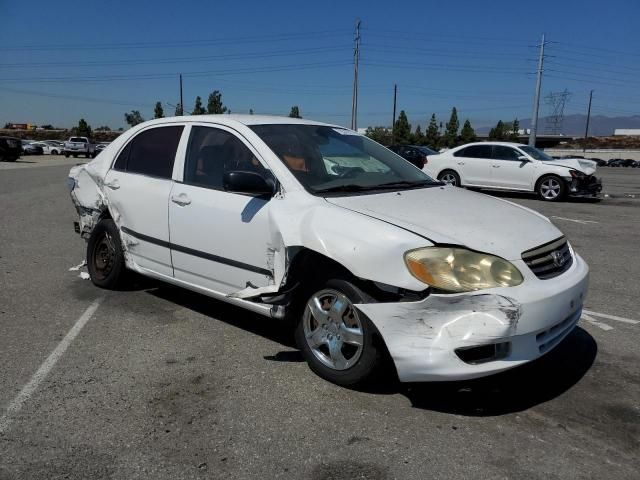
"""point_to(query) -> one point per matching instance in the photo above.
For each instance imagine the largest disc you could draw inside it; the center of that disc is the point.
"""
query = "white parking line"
(612, 317)
(594, 322)
(16, 405)
(583, 222)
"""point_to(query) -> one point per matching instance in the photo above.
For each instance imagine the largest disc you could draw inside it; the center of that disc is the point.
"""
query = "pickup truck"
(79, 146)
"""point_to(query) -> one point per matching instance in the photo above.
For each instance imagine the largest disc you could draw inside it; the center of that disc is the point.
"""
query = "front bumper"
(422, 337)
(588, 186)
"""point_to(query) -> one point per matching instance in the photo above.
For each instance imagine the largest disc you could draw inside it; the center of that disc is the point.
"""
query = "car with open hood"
(365, 254)
(515, 167)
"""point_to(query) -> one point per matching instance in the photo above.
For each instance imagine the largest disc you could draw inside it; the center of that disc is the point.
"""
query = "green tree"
(178, 110)
(418, 136)
(198, 109)
(133, 118)
(251, 111)
(402, 129)
(381, 135)
(451, 130)
(214, 105)
(467, 134)
(158, 112)
(499, 132)
(514, 136)
(295, 112)
(83, 129)
(432, 137)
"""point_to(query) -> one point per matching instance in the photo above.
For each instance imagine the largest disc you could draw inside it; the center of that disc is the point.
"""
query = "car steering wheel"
(350, 172)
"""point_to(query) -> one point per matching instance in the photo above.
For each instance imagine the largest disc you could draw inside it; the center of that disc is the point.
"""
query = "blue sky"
(64, 60)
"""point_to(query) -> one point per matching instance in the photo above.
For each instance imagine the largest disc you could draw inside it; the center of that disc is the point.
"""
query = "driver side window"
(212, 152)
(501, 152)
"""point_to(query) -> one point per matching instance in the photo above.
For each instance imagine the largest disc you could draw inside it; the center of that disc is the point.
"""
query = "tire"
(75, 155)
(87, 155)
(551, 188)
(449, 177)
(321, 338)
(54, 152)
(66, 154)
(105, 257)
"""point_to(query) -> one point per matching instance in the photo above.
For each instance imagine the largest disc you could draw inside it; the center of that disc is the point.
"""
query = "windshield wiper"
(350, 187)
(406, 183)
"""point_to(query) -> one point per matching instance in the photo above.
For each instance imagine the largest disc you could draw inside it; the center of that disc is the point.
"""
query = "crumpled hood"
(586, 166)
(450, 215)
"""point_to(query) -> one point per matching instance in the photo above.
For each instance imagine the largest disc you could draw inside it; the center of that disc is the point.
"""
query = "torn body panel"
(422, 337)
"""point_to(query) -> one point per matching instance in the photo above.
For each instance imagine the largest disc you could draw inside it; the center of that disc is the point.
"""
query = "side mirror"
(252, 183)
(522, 158)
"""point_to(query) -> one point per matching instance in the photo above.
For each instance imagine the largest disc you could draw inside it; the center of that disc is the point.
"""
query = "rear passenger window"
(475, 151)
(151, 152)
(211, 153)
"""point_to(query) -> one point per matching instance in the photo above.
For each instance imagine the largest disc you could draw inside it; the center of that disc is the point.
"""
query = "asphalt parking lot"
(157, 382)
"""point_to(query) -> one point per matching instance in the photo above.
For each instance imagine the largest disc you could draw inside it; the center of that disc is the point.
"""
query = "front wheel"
(551, 188)
(449, 177)
(105, 257)
(336, 339)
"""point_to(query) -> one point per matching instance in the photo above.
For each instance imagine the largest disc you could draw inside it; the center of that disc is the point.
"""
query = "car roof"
(507, 144)
(234, 119)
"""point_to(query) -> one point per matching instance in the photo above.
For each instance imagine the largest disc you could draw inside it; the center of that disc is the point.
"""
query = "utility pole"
(586, 130)
(393, 124)
(181, 101)
(536, 100)
(356, 58)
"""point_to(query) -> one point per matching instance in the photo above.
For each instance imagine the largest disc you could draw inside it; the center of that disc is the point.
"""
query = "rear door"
(219, 240)
(138, 188)
(473, 164)
(508, 171)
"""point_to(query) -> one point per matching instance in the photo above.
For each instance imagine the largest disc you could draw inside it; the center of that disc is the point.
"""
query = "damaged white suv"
(315, 223)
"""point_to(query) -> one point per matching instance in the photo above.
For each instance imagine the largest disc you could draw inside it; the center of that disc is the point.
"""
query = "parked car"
(616, 162)
(599, 161)
(48, 149)
(101, 146)
(29, 147)
(629, 162)
(324, 227)
(56, 146)
(416, 154)
(10, 149)
(515, 167)
(79, 146)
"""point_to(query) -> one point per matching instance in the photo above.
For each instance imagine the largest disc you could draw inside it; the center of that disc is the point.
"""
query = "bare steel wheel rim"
(333, 330)
(104, 256)
(449, 179)
(550, 188)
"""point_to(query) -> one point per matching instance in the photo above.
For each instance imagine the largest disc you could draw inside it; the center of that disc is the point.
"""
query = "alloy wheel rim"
(333, 330)
(550, 188)
(449, 179)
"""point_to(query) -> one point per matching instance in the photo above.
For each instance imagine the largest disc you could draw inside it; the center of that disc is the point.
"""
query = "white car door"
(138, 188)
(219, 239)
(508, 170)
(473, 164)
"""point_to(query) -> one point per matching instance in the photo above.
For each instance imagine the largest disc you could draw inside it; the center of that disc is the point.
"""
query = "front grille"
(549, 260)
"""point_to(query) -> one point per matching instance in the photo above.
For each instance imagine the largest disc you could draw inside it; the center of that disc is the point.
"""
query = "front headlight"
(460, 270)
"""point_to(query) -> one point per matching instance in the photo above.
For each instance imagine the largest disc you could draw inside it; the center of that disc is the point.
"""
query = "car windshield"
(535, 153)
(335, 160)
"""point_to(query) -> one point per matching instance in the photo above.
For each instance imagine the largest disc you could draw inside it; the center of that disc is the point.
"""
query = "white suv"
(514, 166)
(315, 223)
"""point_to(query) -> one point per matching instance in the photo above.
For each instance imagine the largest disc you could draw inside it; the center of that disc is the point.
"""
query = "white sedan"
(48, 148)
(517, 167)
(364, 253)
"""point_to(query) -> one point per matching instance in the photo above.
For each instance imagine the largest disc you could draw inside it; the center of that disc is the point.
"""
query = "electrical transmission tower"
(556, 101)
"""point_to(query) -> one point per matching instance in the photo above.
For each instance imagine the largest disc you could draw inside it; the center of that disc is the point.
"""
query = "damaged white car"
(312, 222)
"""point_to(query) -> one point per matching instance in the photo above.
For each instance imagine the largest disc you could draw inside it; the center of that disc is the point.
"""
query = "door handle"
(181, 199)
(495, 166)
(114, 185)
(460, 163)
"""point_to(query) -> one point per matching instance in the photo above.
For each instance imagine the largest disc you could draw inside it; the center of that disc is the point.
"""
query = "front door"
(219, 240)
(508, 170)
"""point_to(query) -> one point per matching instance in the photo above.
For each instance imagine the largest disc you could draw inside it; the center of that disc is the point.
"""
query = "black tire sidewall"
(117, 274)
(370, 357)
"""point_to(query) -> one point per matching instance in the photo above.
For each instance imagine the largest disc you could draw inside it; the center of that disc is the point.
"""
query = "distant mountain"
(573, 125)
